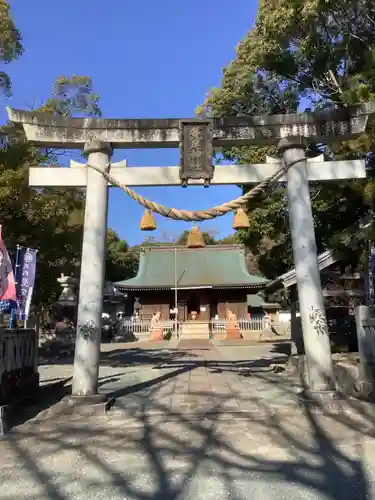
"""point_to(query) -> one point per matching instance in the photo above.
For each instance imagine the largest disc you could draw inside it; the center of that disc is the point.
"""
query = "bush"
(168, 335)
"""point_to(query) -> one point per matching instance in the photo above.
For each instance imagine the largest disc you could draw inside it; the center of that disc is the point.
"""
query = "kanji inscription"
(196, 151)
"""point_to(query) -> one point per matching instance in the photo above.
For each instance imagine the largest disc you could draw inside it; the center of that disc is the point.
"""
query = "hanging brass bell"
(147, 222)
(240, 220)
(195, 239)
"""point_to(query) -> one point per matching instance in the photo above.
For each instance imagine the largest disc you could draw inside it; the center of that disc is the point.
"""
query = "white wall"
(285, 316)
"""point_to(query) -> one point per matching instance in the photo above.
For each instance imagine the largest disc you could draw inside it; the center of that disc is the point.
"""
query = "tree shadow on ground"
(49, 395)
(199, 431)
(125, 356)
(268, 455)
(144, 356)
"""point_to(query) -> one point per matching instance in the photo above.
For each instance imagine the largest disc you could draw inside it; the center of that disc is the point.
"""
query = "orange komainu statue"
(156, 329)
(233, 330)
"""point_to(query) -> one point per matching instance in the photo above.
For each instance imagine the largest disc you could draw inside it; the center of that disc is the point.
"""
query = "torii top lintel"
(54, 131)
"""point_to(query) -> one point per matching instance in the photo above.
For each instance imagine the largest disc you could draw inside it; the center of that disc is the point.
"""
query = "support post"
(89, 322)
(311, 302)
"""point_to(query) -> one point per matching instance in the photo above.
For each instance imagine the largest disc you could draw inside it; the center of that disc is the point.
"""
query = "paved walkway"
(197, 420)
(201, 379)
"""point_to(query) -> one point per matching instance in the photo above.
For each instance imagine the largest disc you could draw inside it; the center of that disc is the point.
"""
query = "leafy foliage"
(41, 219)
(49, 219)
(10, 44)
(318, 54)
(227, 240)
(121, 262)
(73, 95)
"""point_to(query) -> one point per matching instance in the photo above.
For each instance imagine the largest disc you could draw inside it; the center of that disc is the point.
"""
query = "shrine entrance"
(197, 138)
(193, 306)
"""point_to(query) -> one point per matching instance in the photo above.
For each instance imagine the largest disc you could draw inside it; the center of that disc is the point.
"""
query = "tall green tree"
(121, 261)
(49, 219)
(318, 54)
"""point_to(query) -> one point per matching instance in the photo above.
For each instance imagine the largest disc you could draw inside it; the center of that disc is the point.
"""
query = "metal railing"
(255, 323)
(130, 325)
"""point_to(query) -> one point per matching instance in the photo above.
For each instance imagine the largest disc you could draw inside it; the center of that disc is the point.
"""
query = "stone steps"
(220, 336)
(195, 330)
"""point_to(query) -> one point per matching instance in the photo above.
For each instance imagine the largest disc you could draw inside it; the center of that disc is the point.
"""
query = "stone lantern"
(68, 296)
(66, 305)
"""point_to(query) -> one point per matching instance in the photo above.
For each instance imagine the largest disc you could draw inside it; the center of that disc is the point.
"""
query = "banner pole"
(27, 264)
(13, 319)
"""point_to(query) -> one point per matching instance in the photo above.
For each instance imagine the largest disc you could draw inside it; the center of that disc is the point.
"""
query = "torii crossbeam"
(76, 175)
(196, 139)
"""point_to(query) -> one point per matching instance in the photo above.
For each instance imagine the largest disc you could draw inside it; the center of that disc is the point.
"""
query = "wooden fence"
(253, 324)
(18, 364)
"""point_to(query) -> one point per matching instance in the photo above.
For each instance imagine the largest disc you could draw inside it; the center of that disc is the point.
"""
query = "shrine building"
(210, 280)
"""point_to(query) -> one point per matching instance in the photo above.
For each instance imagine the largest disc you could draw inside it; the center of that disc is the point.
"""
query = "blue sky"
(147, 60)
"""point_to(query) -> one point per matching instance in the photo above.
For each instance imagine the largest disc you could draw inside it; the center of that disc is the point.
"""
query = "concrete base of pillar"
(366, 390)
(92, 399)
(233, 333)
(325, 401)
(87, 406)
(156, 334)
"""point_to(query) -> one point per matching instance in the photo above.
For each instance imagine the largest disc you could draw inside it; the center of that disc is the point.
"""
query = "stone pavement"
(201, 378)
(194, 420)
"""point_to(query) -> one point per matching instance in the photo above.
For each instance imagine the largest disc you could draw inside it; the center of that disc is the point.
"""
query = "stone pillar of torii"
(196, 139)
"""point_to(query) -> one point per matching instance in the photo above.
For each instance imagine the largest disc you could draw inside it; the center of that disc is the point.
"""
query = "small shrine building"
(210, 281)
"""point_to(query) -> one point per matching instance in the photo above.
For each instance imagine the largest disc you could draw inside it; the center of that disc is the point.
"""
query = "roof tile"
(211, 266)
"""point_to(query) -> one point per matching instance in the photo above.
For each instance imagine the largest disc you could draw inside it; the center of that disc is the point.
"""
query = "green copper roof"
(212, 266)
(255, 300)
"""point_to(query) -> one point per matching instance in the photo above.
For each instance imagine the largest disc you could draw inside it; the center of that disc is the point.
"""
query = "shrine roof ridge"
(172, 248)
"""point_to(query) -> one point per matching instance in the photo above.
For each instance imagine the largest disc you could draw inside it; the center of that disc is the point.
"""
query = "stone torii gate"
(196, 139)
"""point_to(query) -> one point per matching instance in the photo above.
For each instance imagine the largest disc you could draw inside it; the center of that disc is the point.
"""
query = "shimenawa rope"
(193, 215)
